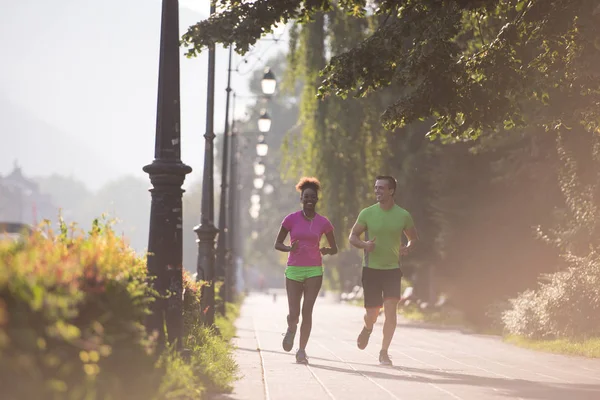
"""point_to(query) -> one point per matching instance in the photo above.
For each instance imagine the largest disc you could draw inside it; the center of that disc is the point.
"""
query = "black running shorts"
(380, 284)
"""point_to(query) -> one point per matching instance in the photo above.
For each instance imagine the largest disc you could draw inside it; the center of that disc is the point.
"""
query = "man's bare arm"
(354, 238)
(413, 238)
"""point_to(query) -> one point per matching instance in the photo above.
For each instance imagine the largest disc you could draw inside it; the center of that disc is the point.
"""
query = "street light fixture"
(222, 264)
(269, 189)
(254, 213)
(262, 148)
(268, 83)
(264, 122)
(259, 168)
(259, 183)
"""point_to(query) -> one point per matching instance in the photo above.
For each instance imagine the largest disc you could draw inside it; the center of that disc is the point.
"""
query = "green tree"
(532, 55)
(496, 80)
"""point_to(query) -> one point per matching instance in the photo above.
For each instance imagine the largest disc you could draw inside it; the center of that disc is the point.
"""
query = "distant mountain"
(41, 148)
(85, 73)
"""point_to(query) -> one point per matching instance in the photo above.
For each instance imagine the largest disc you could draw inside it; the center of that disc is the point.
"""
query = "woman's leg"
(311, 291)
(294, 291)
(294, 295)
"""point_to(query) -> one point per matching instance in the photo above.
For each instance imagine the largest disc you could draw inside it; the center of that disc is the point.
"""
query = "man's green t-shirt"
(387, 227)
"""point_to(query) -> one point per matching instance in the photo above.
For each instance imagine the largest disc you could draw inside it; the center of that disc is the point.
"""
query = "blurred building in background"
(22, 201)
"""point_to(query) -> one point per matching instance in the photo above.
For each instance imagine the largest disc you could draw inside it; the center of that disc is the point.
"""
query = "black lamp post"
(224, 257)
(207, 231)
(167, 174)
(232, 214)
(224, 224)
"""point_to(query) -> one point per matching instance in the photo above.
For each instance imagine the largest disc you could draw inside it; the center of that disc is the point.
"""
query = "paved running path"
(428, 363)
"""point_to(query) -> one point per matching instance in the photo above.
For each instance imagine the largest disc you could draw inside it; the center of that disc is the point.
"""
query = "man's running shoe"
(384, 358)
(363, 338)
(301, 357)
(288, 339)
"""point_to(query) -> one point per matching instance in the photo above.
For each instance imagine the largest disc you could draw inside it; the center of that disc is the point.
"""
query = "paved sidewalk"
(428, 363)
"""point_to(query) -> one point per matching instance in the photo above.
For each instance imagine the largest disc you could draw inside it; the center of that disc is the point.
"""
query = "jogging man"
(383, 223)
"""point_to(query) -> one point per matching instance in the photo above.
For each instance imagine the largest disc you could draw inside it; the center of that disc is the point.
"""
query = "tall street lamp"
(232, 213)
(224, 256)
(207, 231)
(222, 245)
(167, 174)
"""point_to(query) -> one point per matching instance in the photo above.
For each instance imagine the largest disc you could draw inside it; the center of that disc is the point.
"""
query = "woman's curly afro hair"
(308, 182)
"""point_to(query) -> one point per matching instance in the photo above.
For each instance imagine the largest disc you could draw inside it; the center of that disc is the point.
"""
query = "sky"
(78, 87)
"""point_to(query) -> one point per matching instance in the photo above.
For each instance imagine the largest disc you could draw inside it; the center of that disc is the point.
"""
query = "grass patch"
(212, 359)
(446, 318)
(586, 348)
(226, 324)
(211, 353)
(449, 318)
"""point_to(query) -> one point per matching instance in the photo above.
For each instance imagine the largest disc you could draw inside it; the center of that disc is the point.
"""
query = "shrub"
(179, 380)
(72, 308)
(73, 312)
(567, 303)
(211, 353)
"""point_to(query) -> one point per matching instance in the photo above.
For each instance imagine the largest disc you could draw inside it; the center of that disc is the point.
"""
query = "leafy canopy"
(473, 65)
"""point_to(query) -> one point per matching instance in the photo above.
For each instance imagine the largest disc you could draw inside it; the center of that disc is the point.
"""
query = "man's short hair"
(391, 181)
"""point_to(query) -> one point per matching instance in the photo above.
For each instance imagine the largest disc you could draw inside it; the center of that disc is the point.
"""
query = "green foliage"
(180, 380)
(494, 80)
(126, 199)
(72, 308)
(225, 324)
(256, 236)
(211, 359)
(341, 142)
(211, 353)
(472, 65)
(567, 305)
(533, 57)
(578, 230)
(567, 302)
(586, 348)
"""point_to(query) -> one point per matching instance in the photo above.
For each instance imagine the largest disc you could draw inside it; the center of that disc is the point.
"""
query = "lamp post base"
(165, 247)
(207, 232)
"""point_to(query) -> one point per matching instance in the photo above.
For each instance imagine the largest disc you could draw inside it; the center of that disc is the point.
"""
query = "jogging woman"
(304, 272)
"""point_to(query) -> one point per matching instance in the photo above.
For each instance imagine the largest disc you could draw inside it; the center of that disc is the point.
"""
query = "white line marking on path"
(262, 362)
(411, 375)
(350, 365)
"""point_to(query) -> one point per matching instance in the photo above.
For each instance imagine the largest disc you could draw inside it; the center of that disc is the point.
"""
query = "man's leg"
(371, 314)
(373, 299)
(391, 297)
(390, 310)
